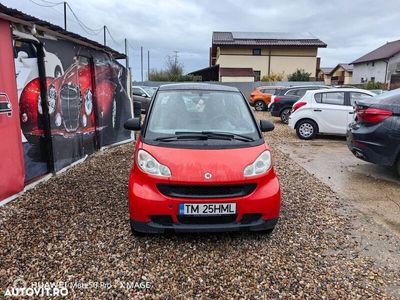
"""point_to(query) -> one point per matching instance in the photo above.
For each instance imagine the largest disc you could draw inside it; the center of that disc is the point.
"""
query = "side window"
(291, 92)
(137, 92)
(334, 98)
(301, 92)
(357, 97)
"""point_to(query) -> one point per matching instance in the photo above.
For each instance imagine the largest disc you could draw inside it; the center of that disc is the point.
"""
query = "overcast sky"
(351, 28)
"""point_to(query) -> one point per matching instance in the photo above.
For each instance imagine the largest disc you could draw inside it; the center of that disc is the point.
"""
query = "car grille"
(206, 220)
(70, 106)
(206, 191)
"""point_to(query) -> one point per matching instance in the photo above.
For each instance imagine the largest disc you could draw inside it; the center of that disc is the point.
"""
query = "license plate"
(204, 209)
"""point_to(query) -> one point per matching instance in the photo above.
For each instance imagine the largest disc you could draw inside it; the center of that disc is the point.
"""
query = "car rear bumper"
(152, 227)
(365, 148)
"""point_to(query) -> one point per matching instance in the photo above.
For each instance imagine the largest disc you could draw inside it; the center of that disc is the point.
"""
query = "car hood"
(191, 165)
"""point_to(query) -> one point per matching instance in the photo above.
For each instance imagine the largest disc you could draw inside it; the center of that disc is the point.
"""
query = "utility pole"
(176, 57)
(126, 54)
(105, 37)
(65, 15)
(148, 65)
(141, 61)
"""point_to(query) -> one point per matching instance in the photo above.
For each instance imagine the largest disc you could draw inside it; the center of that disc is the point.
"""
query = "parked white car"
(327, 111)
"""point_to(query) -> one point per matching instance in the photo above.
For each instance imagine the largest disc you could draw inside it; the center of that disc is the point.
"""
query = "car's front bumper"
(152, 227)
(255, 211)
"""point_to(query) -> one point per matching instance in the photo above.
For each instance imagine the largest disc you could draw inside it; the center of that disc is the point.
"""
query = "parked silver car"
(143, 94)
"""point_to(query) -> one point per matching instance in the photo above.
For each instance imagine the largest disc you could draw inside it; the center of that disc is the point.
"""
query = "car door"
(355, 97)
(331, 112)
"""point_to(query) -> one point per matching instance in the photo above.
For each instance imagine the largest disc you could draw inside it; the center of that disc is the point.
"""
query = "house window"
(362, 79)
(373, 79)
(257, 75)
(256, 51)
(373, 63)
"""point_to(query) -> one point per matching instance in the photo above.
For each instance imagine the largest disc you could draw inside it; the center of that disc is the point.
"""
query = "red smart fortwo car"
(201, 164)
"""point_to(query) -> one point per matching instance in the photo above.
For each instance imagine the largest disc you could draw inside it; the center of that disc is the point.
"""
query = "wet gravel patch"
(75, 228)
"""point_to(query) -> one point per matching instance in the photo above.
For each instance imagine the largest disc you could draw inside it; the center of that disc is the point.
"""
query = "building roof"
(383, 52)
(17, 16)
(326, 70)
(346, 67)
(266, 39)
(236, 72)
(197, 86)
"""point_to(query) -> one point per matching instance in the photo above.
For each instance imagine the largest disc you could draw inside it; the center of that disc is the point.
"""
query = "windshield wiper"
(182, 137)
(217, 135)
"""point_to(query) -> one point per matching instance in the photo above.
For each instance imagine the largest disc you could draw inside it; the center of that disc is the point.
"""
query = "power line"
(109, 33)
(51, 2)
(86, 28)
(46, 5)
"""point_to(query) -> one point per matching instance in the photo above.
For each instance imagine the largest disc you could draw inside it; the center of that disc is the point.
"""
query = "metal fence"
(245, 87)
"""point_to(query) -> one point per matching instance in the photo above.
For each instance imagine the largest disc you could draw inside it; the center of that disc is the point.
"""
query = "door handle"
(318, 110)
(351, 112)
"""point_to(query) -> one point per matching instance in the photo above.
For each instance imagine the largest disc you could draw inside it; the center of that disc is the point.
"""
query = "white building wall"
(366, 71)
(393, 65)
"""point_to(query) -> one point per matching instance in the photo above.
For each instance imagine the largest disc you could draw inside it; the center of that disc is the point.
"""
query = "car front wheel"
(306, 129)
(259, 105)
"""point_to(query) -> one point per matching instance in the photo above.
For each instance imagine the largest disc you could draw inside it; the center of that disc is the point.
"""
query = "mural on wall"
(86, 100)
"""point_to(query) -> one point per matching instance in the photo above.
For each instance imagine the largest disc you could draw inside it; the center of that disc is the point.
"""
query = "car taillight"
(277, 99)
(372, 115)
(297, 105)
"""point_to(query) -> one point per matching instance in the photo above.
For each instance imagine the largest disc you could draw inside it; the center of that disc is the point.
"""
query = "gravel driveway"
(75, 228)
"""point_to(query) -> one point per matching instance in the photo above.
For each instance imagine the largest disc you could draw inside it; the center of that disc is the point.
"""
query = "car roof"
(197, 86)
(271, 87)
(305, 86)
(340, 90)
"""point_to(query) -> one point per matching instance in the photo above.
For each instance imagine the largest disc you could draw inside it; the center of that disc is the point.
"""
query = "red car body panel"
(188, 167)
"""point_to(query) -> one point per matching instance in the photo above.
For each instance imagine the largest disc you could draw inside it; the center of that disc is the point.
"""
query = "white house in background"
(378, 65)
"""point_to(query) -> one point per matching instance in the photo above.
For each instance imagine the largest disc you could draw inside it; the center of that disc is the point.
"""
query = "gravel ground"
(75, 228)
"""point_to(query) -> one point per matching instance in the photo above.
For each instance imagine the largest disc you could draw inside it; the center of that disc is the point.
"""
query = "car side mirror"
(266, 126)
(133, 124)
(22, 55)
(144, 95)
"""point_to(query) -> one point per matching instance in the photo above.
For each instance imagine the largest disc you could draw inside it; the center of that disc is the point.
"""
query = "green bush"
(273, 77)
(299, 75)
(372, 85)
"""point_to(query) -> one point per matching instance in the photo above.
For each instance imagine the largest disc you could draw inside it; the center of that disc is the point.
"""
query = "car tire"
(306, 129)
(285, 115)
(259, 105)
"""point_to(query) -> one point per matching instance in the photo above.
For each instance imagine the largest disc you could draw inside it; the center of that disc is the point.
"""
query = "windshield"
(149, 90)
(199, 111)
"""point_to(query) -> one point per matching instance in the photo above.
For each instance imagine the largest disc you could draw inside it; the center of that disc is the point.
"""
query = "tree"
(299, 75)
(173, 71)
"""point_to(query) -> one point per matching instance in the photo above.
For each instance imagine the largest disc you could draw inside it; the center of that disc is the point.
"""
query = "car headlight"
(51, 99)
(150, 165)
(84, 120)
(88, 102)
(261, 165)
